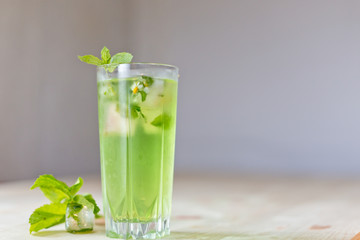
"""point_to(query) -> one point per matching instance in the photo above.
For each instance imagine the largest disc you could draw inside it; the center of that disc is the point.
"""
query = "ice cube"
(115, 123)
(79, 221)
(155, 96)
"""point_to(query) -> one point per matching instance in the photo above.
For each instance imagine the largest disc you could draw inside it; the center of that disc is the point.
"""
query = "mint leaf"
(111, 67)
(105, 55)
(76, 187)
(90, 198)
(122, 57)
(136, 112)
(78, 203)
(53, 189)
(163, 120)
(143, 95)
(54, 195)
(90, 59)
(80, 199)
(73, 209)
(47, 216)
(148, 81)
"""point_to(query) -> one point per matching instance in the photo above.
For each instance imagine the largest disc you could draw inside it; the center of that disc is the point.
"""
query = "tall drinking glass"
(137, 119)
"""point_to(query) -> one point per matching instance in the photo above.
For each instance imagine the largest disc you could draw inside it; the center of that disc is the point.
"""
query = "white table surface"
(218, 208)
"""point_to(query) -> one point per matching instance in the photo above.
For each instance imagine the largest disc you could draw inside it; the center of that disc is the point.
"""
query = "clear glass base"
(138, 230)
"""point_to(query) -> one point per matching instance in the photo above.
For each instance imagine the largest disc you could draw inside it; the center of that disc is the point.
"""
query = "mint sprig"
(60, 195)
(140, 87)
(107, 59)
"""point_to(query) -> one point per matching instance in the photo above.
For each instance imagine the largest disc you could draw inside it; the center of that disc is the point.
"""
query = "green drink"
(137, 117)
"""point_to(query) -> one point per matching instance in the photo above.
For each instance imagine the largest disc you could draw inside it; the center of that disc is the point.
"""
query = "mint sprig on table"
(60, 195)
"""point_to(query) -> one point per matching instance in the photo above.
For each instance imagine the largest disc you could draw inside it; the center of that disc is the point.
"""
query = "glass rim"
(168, 66)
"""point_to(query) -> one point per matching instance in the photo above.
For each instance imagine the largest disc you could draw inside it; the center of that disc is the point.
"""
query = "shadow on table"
(196, 235)
(173, 236)
(48, 233)
(247, 236)
(217, 236)
(62, 233)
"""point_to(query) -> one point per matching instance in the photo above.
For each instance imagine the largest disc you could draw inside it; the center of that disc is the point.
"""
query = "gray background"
(266, 87)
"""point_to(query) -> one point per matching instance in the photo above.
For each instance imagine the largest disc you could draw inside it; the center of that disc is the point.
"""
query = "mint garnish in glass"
(140, 86)
(111, 62)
